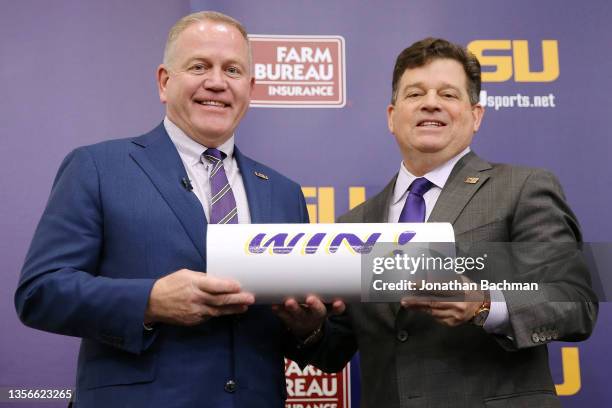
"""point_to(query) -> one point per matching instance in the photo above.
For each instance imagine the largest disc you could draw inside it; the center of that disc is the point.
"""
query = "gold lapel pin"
(471, 180)
(261, 175)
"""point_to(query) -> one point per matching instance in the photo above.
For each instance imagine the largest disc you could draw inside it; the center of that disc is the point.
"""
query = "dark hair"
(423, 52)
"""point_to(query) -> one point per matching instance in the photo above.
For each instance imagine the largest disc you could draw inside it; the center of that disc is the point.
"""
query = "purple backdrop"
(77, 72)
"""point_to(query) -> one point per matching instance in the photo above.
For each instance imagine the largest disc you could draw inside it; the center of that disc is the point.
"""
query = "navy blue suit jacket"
(118, 218)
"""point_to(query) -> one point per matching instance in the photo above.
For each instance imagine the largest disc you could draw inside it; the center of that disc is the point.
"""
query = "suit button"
(402, 335)
(230, 386)
(535, 337)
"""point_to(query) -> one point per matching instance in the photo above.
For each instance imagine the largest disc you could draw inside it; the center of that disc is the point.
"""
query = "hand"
(450, 312)
(303, 319)
(188, 298)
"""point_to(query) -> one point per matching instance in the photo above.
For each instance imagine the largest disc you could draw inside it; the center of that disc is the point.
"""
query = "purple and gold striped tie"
(222, 204)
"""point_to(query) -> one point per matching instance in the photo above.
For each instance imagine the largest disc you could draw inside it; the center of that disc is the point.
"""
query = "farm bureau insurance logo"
(298, 71)
(312, 388)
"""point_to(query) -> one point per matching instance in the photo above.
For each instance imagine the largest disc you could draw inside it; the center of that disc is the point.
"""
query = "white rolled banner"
(277, 261)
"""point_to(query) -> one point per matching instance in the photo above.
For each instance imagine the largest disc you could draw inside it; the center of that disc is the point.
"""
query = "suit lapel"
(158, 158)
(465, 179)
(377, 209)
(258, 189)
(456, 194)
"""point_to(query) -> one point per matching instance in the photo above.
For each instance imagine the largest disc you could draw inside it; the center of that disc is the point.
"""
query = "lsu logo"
(517, 64)
(283, 243)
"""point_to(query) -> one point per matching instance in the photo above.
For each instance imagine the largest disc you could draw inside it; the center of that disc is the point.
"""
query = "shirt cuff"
(498, 319)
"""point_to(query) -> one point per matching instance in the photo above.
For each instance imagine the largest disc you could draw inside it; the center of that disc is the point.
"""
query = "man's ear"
(390, 113)
(477, 113)
(252, 86)
(162, 82)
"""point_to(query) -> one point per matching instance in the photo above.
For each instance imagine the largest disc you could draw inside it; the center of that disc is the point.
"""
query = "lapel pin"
(261, 175)
(471, 180)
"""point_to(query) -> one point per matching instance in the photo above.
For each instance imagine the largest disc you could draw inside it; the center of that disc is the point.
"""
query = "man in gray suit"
(431, 352)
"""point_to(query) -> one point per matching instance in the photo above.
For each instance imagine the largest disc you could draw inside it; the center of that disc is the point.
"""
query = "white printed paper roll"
(277, 261)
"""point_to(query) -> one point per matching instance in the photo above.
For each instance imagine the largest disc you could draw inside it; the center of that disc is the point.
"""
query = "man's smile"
(430, 123)
(211, 102)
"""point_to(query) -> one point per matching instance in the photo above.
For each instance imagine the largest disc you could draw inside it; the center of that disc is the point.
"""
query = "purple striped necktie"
(414, 208)
(222, 204)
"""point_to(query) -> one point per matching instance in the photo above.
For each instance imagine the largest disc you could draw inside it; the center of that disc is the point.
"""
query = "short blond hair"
(199, 17)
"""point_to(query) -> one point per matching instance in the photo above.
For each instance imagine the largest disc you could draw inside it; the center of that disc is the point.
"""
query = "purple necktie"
(222, 204)
(414, 208)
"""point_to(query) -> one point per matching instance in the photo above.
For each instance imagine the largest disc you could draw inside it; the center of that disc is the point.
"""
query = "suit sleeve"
(565, 307)
(304, 217)
(338, 344)
(336, 347)
(59, 289)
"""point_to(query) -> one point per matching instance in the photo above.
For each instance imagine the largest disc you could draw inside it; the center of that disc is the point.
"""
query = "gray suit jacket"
(410, 360)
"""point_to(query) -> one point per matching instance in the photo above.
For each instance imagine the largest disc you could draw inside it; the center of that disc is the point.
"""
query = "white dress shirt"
(498, 319)
(198, 170)
(437, 176)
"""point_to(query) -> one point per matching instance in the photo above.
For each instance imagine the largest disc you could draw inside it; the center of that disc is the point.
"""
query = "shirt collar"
(190, 150)
(438, 176)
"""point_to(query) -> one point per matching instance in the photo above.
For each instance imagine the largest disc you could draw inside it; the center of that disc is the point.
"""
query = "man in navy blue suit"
(119, 254)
